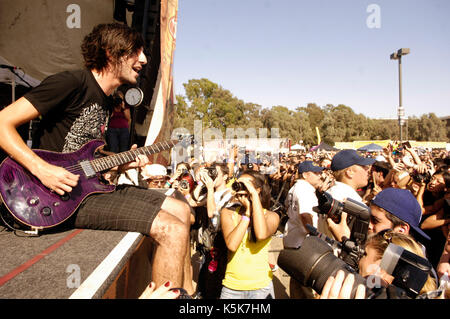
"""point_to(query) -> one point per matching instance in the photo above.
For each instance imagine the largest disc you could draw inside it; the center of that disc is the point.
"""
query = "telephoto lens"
(313, 263)
(328, 206)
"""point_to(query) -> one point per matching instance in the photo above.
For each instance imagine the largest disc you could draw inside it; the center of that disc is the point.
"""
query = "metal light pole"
(401, 111)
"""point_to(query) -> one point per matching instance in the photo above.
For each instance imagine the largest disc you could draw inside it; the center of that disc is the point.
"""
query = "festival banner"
(163, 115)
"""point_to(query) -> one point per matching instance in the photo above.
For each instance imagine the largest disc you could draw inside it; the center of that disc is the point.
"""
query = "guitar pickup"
(88, 170)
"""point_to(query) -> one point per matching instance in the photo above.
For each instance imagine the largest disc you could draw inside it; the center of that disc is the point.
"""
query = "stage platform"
(74, 264)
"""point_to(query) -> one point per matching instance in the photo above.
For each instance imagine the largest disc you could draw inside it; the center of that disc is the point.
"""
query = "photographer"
(211, 245)
(397, 209)
(351, 172)
(248, 231)
(181, 170)
(376, 246)
(300, 202)
(392, 208)
(370, 268)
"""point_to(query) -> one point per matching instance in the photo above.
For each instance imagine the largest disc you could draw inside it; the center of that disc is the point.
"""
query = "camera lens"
(238, 186)
(212, 172)
(313, 263)
(328, 206)
(184, 184)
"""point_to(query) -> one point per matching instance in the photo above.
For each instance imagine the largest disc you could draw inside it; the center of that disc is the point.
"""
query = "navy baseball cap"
(347, 158)
(308, 166)
(403, 204)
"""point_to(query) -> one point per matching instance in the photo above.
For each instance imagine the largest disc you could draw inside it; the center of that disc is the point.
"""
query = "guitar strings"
(78, 167)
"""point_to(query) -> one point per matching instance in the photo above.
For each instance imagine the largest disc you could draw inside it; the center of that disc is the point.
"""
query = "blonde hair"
(339, 175)
(379, 243)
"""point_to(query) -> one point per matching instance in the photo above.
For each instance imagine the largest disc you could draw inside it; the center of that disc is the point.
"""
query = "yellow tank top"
(248, 267)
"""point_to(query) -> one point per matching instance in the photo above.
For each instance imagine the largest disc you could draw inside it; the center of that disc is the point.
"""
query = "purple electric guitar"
(33, 204)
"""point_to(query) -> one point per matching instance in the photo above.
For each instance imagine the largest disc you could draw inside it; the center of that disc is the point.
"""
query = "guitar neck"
(108, 162)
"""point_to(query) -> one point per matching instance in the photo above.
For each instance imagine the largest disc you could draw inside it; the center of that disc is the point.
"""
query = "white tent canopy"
(297, 147)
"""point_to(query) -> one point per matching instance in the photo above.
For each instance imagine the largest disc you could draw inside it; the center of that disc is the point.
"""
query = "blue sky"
(293, 52)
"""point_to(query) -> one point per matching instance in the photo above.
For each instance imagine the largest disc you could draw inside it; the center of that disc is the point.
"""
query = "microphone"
(10, 67)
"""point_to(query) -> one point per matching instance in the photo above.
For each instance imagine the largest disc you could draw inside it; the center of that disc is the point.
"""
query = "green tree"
(431, 128)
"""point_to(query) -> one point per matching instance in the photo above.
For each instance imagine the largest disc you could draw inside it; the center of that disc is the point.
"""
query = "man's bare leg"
(188, 273)
(171, 236)
(182, 211)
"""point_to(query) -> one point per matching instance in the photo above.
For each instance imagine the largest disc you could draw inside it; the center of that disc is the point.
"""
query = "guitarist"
(75, 107)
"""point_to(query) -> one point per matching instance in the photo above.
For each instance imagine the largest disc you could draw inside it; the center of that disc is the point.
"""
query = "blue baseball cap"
(403, 204)
(308, 166)
(347, 158)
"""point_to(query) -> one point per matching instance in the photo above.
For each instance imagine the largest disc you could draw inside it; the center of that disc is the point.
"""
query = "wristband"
(168, 183)
(245, 217)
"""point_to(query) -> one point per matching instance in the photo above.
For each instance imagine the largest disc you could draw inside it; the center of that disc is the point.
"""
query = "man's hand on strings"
(58, 179)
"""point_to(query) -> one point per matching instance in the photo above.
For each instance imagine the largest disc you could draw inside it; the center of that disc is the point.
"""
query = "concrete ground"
(280, 278)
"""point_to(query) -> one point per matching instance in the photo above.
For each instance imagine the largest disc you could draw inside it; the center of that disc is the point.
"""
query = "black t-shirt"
(74, 111)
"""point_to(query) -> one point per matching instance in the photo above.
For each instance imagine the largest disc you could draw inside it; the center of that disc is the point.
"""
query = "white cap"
(151, 170)
(380, 158)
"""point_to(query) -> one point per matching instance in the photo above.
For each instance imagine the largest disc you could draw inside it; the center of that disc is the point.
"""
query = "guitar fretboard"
(108, 162)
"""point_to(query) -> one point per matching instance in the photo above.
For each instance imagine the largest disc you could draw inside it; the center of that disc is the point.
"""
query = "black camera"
(184, 184)
(212, 172)
(358, 221)
(334, 208)
(421, 178)
(314, 262)
(238, 187)
(409, 270)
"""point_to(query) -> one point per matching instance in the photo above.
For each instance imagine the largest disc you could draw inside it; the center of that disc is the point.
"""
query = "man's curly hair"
(108, 43)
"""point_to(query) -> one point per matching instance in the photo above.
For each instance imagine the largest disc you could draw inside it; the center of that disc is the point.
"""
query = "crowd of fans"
(239, 205)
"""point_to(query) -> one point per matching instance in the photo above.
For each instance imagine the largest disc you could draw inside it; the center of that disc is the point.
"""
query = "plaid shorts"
(128, 208)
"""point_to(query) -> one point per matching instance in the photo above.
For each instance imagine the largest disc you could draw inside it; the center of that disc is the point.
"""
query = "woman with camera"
(248, 231)
(340, 285)
(182, 169)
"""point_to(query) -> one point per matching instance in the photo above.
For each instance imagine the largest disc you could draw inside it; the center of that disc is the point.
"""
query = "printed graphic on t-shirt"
(86, 127)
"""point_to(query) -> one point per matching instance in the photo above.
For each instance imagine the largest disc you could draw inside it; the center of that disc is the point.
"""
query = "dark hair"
(223, 167)
(260, 181)
(185, 164)
(116, 39)
(381, 167)
(446, 176)
(117, 98)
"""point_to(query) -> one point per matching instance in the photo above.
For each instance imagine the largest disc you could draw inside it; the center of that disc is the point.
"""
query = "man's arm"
(20, 112)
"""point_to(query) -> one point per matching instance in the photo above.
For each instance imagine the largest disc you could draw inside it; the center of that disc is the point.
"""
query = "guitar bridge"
(88, 170)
